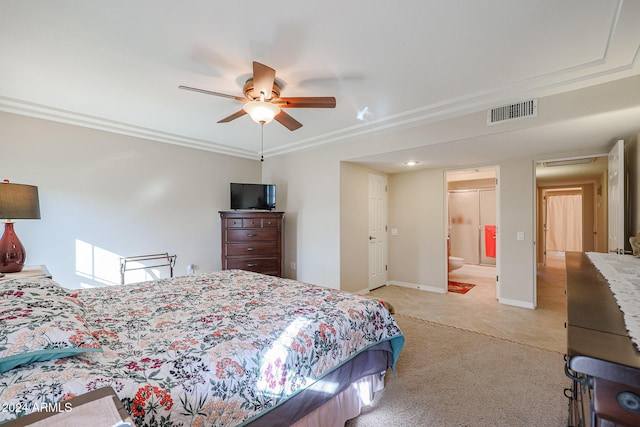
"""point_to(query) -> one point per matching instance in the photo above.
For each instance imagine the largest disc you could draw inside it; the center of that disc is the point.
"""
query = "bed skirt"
(338, 396)
(346, 405)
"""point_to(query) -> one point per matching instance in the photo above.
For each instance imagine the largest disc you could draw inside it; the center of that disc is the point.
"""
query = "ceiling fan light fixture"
(262, 108)
(260, 111)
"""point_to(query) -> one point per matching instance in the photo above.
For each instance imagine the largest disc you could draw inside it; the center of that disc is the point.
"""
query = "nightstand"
(98, 408)
(29, 271)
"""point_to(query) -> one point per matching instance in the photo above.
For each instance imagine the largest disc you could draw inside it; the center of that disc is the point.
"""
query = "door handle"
(372, 238)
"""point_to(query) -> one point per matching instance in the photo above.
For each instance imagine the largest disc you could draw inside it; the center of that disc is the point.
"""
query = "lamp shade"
(19, 201)
(260, 111)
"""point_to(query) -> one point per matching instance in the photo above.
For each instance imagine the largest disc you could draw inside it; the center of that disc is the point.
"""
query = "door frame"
(496, 169)
(616, 199)
(580, 190)
(538, 206)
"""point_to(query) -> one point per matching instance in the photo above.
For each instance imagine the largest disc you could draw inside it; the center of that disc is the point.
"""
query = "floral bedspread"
(213, 349)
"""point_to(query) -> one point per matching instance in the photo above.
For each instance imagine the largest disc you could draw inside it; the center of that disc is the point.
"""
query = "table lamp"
(17, 201)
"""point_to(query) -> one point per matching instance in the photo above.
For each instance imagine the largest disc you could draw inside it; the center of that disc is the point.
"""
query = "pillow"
(33, 286)
(38, 322)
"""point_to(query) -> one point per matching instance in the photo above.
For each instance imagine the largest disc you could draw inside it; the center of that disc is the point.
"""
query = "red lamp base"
(12, 253)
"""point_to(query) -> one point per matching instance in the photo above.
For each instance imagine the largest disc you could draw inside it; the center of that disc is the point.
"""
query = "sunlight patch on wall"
(98, 265)
(101, 267)
(141, 275)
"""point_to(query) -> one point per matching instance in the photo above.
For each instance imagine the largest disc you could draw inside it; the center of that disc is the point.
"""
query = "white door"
(616, 198)
(377, 231)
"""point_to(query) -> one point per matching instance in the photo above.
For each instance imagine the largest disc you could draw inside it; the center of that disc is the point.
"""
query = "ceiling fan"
(263, 102)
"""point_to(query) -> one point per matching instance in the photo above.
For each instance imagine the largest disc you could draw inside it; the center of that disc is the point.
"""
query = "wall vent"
(519, 110)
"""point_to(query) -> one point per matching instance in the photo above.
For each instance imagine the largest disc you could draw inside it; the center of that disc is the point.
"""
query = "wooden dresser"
(252, 240)
(601, 358)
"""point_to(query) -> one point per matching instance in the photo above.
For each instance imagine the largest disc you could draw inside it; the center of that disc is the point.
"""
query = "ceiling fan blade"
(208, 92)
(263, 79)
(307, 102)
(233, 116)
(287, 121)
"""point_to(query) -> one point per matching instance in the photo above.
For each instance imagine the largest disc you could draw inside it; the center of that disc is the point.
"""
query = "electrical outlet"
(190, 268)
(293, 265)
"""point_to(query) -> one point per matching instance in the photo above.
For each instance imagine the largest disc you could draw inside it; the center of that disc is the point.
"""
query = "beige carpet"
(452, 377)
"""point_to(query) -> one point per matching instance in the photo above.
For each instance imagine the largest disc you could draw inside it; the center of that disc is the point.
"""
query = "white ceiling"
(116, 65)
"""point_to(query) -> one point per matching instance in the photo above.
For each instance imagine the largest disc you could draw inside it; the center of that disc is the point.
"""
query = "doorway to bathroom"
(472, 200)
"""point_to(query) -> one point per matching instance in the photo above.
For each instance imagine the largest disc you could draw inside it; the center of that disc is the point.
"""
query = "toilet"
(455, 263)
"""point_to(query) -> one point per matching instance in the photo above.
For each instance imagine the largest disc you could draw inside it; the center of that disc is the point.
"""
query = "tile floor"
(478, 309)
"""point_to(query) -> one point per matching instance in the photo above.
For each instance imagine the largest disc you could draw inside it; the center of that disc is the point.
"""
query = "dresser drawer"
(251, 223)
(233, 222)
(249, 235)
(259, 265)
(271, 222)
(252, 248)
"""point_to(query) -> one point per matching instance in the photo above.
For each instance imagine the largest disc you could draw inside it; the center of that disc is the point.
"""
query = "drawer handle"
(251, 264)
(251, 235)
(251, 249)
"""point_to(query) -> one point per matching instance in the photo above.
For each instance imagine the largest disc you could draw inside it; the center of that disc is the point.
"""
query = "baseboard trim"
(361, 291)
(516, 303)
(417, 286)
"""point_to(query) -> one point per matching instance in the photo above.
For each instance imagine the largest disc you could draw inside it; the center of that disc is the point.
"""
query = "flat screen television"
(253, 196)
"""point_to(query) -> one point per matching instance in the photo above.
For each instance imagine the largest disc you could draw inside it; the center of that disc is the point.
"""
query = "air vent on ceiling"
(519, 110)
(569, 162)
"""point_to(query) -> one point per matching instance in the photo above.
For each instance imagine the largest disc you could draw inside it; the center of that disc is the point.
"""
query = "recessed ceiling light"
(411, 162)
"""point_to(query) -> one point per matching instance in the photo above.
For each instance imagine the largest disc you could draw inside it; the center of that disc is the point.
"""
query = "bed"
(229, 348)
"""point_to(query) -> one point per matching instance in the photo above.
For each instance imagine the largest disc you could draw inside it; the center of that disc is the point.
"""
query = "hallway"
(478, 310)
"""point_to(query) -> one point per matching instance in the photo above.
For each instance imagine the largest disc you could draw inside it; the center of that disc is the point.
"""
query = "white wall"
(516, 214)
(417, 210)
(418, 252)
(122, 195)
(354, 227)
(313, 237)
(313, 187)
(308, 186)
(104, 195)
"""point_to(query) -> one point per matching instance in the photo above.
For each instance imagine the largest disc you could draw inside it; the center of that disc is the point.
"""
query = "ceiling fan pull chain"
(262, 141)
